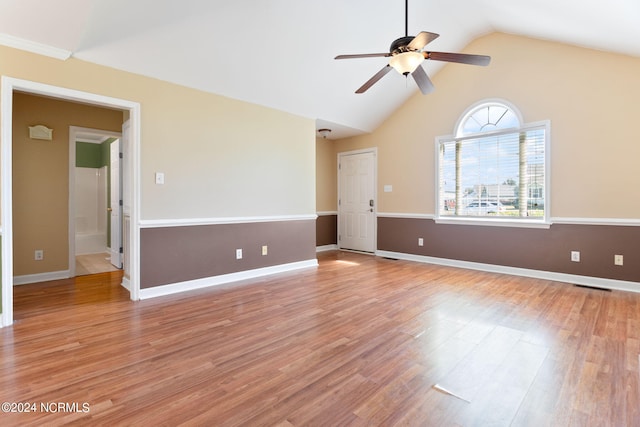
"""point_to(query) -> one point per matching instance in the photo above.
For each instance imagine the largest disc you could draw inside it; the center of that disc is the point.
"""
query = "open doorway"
(131, 111)
(95, 195)
(48, 186)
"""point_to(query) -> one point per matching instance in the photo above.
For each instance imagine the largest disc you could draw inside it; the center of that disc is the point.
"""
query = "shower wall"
(91, 210)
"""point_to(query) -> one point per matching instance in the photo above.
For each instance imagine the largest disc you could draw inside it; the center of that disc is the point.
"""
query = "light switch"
(388, 188)
(159, 178)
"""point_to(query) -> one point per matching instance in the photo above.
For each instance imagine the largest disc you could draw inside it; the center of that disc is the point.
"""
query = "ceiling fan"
(406, 56)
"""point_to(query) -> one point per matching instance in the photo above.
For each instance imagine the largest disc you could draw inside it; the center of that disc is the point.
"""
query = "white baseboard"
(206, 282)
(41, 277)
(326, 248)
(126, 283)
(620, 285)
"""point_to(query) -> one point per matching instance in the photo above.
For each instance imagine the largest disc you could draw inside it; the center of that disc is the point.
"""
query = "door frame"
(116, 242)
(374, 152)
(73, 136)
(11, 84)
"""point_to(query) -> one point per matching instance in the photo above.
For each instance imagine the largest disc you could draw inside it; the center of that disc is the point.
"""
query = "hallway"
(93, 264)
(67, 297)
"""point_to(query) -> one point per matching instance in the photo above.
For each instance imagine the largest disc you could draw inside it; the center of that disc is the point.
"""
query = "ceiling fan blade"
(422, 39)
(362, 55)
(423, 81)
(380, 74)
(461, 58)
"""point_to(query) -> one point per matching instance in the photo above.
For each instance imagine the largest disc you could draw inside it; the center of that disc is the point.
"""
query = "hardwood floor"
(359, 341)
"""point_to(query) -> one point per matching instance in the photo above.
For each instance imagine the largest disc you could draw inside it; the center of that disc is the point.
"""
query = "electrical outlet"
(38, 255)
(618, 260)
(238, 253)
(420, 241)
(575, 256)
(265, 250)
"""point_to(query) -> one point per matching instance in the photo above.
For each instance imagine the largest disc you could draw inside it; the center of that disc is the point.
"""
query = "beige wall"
(220, 157)
(327, 176)
(41, 178)
(224, 158)
(590, 97)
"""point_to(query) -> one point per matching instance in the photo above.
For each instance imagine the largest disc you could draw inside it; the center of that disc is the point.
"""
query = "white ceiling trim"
(34, 47)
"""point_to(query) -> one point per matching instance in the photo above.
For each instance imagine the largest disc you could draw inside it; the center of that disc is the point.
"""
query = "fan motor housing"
(401, 45)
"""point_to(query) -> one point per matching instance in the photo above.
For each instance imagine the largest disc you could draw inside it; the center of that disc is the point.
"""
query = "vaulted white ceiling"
(279, 53)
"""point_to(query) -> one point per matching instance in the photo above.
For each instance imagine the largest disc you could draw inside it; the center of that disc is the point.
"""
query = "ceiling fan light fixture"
(406, 62)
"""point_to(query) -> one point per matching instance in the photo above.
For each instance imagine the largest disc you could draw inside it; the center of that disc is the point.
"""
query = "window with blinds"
(493, 167)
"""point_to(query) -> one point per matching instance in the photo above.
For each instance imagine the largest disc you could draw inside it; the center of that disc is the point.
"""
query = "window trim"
(544, 222)
(487, 102)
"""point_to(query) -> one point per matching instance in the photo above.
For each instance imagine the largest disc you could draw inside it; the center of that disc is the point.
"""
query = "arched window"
(488, 117)
(494, 166)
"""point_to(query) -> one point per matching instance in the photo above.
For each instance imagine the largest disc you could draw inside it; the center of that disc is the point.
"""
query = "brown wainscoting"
(327, 230)
(178, 254)
(537, 249)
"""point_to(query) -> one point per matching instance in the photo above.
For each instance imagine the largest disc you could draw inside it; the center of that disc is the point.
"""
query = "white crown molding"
(207, 282)
(629, 222)
(620, 285)
(34, 47)
(159, 223)
(404, 215)
(597, 221)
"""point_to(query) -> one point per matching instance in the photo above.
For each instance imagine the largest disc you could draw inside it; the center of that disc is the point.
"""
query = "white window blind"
(494, 174)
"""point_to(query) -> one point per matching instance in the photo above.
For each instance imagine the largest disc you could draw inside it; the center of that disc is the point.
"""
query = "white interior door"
(356, 203)
(115, 205)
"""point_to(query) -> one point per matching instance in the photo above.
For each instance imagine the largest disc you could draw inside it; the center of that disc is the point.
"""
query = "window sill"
(498, 222)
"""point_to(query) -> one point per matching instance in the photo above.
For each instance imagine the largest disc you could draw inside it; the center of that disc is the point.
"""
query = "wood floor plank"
(360, 340)
(501, 396)
(471, 375)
